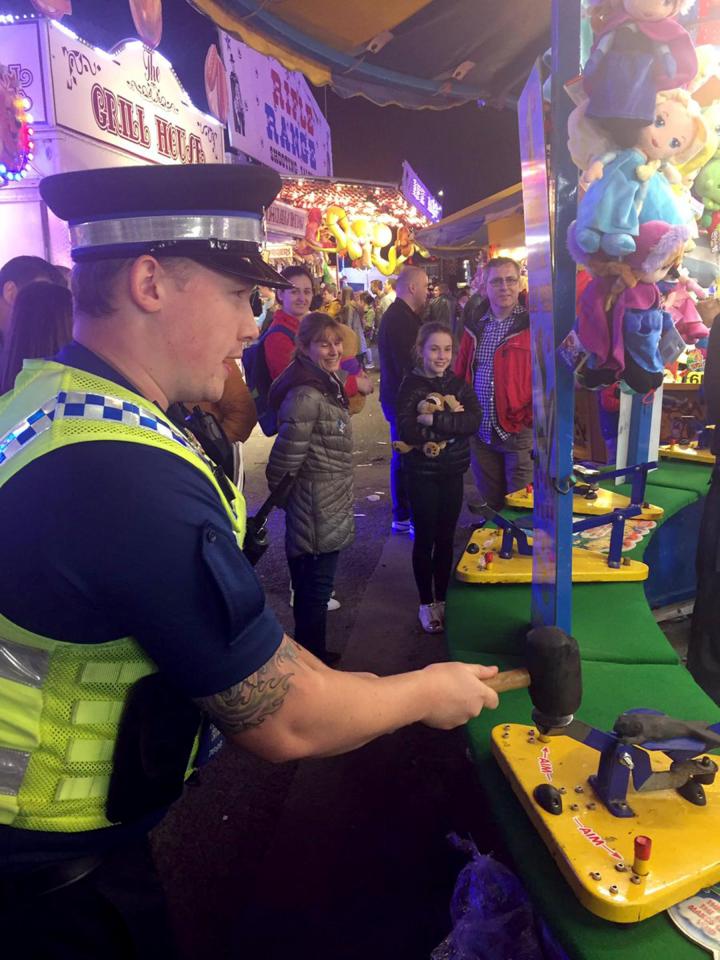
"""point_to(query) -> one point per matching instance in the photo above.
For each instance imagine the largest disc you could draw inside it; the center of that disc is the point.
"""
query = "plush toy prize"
(639, 50)
(629, 187)
(621, 319)
(432, 403)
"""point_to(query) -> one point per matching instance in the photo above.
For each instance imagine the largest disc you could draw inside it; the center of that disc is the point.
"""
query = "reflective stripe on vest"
(61, 702)
(86, 406)
(81, 737)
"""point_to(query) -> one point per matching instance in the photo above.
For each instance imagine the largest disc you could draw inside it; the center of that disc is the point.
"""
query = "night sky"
(467, 152)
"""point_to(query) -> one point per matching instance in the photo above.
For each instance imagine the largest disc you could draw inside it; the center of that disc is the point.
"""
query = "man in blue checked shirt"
(495, 358)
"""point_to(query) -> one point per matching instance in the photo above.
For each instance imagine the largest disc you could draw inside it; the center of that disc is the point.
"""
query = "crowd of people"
(318, 362)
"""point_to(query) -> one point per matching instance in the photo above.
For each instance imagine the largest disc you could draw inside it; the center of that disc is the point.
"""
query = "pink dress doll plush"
(639, 50)
(620, 314)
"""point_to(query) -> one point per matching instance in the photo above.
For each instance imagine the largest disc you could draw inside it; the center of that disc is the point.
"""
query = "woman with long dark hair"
(40, 325)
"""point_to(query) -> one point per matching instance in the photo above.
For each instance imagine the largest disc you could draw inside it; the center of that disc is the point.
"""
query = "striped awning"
(413, 53)
(495, 220)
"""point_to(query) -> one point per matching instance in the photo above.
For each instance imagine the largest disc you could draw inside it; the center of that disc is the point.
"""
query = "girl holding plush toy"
(437, 413)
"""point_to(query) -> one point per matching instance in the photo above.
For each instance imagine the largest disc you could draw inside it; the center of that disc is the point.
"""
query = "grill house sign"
(130, 98)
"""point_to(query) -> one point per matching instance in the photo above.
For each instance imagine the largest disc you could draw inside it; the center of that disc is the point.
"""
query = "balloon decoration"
(644, 135)
(365, 242)
(16, 133)
(147, 17)
(55, 9)
(216, 84)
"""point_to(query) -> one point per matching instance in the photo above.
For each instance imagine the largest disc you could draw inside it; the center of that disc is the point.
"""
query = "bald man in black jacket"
(396, 340)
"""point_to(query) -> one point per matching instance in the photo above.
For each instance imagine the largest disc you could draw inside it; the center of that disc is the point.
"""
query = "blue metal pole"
(552, 309)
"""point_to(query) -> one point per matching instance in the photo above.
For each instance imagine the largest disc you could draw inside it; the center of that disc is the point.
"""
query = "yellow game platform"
(595, 850)
(605, 502)
(588, 566)
(686, 451)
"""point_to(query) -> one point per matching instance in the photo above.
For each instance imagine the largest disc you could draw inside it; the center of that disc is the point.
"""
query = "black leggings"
(435, 504)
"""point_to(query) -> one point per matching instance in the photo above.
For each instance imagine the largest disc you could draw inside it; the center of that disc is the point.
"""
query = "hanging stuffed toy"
(620, 315)
(629, 187)
(681, 295)
(707, 189)
(639, 50)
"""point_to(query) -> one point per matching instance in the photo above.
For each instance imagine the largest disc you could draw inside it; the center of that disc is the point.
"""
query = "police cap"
(211, 213)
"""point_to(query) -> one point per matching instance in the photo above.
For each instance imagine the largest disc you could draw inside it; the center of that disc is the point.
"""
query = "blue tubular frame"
(552, 316)
(513, 533)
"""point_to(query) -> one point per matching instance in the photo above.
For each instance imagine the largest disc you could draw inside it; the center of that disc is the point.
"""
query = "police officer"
(129, 616)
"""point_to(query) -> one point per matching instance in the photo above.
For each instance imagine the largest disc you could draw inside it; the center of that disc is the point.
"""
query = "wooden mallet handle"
(509, 680)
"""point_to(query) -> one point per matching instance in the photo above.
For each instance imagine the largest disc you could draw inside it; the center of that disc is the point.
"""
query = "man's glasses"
(503, 282)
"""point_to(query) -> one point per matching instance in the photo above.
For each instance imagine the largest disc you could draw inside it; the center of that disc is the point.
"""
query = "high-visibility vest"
(61, 702)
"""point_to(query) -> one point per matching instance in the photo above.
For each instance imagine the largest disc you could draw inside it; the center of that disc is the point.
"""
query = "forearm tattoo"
(247, 704)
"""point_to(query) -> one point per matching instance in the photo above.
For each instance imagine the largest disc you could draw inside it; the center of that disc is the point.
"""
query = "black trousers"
(313, 578)
(435, 504)
(116, 912)
(704, 647)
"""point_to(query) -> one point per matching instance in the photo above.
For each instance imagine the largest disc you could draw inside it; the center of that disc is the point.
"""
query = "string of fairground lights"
(25, 143)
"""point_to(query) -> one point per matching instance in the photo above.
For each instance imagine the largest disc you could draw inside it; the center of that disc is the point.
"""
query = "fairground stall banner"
(273, 117)
(130, 98)
(416, 193)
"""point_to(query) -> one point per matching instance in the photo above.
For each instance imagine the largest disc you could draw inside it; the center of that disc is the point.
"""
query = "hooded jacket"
(314, 442)
(453, 428)
(512, 366)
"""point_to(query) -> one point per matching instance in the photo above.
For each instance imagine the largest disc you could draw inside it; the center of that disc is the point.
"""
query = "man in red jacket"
(494, 357)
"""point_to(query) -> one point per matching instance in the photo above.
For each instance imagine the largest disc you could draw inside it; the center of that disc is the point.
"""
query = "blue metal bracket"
(620, 759)
(514, 533)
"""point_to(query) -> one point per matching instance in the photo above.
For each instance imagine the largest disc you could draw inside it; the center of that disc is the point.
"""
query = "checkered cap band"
(86, 406)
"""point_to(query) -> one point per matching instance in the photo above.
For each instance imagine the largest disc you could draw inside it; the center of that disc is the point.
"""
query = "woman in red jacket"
(294, 304)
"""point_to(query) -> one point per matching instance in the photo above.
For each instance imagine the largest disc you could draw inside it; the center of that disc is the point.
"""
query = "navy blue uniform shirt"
(103, 540)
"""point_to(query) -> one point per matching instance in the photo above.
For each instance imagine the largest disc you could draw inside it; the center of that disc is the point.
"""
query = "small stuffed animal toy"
(627, 188)
(639, 50)
(432, 403)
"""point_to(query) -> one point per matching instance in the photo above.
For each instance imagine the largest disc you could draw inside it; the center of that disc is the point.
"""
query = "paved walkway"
(344, 858)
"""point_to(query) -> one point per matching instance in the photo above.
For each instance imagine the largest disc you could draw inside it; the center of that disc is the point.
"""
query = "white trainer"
(429, 619)
(402, 526)
(332, 603)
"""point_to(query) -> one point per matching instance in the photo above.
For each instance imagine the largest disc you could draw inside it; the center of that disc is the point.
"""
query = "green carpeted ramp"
(627, 662)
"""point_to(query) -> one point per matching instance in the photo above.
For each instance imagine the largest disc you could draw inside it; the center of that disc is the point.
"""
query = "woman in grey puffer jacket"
(314, 443)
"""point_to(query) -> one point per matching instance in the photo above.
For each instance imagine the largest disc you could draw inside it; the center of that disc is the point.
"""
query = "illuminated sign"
(416, 193)
(130, 98)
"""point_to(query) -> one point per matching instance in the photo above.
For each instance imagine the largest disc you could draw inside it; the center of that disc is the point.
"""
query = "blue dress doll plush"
(630, 187)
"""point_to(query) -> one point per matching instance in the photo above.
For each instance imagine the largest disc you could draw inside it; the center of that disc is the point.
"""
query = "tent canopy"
(413, 53)
(497, 219)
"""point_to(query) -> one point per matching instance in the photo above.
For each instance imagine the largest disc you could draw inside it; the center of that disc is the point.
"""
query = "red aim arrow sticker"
(595, 839)
(545, 764)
